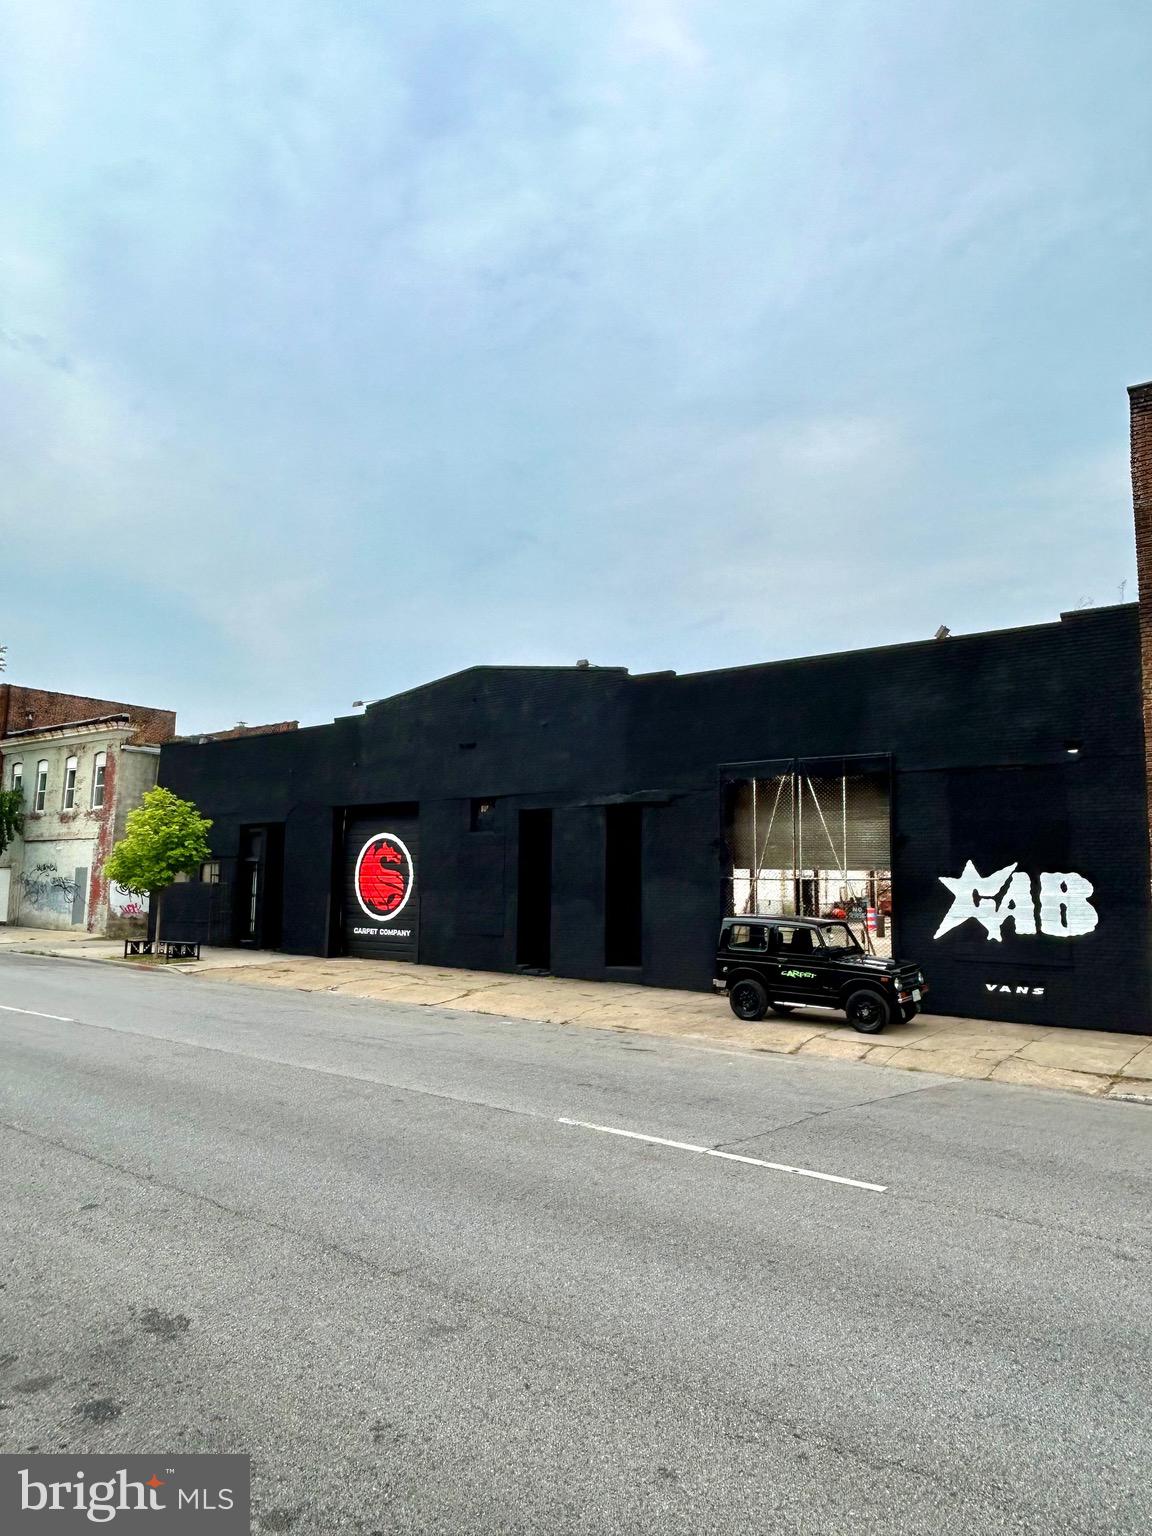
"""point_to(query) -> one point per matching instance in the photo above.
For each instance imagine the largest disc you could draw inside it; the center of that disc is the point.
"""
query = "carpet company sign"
(1056, 904)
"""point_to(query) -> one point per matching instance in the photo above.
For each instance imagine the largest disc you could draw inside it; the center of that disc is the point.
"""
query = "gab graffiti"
(1057, 904)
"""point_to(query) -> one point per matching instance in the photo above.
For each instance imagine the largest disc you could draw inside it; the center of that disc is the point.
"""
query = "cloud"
(45, 50)
(661, 27)
(352, 348)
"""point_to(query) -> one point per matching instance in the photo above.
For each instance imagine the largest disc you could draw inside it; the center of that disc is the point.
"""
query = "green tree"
(11, 815)
(163, 837)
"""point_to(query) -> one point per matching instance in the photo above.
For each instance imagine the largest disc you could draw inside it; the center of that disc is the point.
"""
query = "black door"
(534, 891)
(259, 899)
(623, 885)
(805, 973)
(381, 886)
(753, 946)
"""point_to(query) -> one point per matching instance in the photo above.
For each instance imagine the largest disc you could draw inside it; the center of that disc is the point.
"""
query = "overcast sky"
(348, 344)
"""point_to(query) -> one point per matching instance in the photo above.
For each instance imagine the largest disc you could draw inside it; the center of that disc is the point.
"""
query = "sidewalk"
(1032, 1055)
(1036, 1056)
(63, 944)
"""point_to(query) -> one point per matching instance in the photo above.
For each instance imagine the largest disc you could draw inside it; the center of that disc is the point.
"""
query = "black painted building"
(975, 803)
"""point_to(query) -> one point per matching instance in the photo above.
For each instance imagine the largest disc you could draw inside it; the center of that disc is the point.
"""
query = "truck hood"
(876, 963)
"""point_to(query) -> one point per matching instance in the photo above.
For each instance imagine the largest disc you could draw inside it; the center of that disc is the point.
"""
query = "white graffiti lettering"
(1062, 906)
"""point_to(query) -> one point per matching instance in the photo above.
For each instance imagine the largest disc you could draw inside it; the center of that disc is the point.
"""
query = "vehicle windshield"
(840, 938)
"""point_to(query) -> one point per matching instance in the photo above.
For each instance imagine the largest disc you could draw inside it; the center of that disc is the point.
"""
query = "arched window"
(41, 784)
(98, 766)
(18, 778)
(69, 802)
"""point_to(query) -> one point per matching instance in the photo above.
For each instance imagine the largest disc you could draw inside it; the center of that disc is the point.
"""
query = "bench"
(170, 949)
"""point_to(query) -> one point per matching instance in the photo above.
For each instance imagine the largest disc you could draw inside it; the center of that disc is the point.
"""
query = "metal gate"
(814, 840)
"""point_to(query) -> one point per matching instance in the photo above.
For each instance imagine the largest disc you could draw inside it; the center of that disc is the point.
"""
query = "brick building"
(1140, 408)
(82, 764)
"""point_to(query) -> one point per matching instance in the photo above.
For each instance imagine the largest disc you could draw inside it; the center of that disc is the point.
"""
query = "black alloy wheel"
(748, 1000)
(868, 1011)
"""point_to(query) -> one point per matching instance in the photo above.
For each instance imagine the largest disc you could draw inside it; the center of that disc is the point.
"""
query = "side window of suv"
(746, 936)
(795, 942)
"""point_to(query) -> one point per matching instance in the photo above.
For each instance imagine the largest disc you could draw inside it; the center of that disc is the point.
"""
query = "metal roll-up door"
(381, 887)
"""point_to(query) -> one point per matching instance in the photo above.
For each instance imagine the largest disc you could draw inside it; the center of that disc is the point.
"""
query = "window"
(18, 778)
(839, 937)
(797, 941)
(98, 766)
(483, 818)
(41, 785)
(210, 872)
(69, 801)
(746, 936)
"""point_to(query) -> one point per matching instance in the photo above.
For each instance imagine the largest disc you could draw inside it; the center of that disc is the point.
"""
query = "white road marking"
(59, 1017)
(732, 1157)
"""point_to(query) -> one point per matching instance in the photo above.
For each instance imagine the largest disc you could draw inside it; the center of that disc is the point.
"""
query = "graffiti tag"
(1058, 906)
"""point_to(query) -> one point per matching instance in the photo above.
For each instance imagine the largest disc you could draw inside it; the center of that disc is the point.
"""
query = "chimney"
(1140, 406)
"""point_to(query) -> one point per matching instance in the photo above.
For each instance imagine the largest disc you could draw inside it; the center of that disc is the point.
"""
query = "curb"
(1104, 1087)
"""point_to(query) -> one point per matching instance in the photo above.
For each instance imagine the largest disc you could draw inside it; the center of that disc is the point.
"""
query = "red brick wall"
(276, 729)
(31, 708)
(1140, 404)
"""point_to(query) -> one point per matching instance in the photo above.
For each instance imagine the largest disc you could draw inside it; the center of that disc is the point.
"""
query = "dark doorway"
(534, 891)
(259, 902)
(623, 835)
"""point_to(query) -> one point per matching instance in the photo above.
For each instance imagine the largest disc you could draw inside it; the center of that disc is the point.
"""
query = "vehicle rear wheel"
(783, 1009)
(868, 1011)
(748, 1000)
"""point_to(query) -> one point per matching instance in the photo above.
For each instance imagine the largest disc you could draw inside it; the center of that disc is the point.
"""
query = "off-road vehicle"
(779, 964)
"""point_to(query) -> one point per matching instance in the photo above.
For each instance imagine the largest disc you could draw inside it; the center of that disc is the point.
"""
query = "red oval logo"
(384, 876)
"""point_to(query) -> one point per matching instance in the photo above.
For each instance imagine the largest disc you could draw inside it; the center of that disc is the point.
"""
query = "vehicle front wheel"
(868, 1011)
(748, 1000)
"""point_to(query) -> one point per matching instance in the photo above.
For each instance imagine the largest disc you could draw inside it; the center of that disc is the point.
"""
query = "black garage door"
(382, 887)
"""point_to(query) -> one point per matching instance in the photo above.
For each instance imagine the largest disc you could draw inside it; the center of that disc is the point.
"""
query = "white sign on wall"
(1057, 904)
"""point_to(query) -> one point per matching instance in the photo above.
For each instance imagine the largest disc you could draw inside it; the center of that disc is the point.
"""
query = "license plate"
(915, 994)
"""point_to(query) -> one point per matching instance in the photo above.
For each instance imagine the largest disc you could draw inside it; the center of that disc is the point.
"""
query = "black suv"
(785, 963)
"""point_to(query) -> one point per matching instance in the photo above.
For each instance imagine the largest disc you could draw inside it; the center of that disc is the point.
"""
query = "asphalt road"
(360, 1242)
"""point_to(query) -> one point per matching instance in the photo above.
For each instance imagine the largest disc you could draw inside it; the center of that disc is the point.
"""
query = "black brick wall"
(976, 729)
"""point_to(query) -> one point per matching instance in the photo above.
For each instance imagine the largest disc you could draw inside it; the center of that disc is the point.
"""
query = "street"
(403, 1258)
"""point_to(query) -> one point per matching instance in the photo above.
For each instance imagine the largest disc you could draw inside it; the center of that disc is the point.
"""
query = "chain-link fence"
(814, 844)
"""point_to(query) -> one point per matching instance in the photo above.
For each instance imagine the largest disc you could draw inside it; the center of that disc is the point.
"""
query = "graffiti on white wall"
(1056, 904)
(124, 903)
(47, 890)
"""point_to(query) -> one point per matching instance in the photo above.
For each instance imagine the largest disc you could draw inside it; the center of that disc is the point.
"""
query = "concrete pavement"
(398, 1255)
(69, 944)
(1091, 1061)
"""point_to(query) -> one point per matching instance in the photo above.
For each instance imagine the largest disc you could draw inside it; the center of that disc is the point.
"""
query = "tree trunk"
(159, 910)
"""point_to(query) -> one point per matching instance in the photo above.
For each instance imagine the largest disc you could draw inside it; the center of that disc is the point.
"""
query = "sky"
(345, 344)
